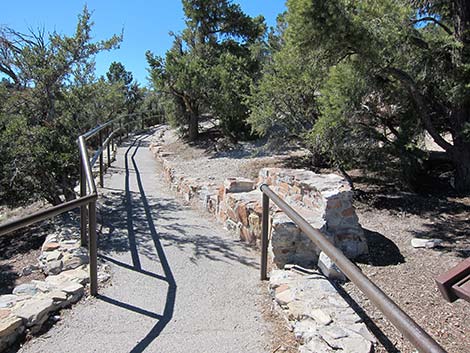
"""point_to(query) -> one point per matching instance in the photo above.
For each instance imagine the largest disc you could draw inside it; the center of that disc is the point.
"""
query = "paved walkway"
(180, 283)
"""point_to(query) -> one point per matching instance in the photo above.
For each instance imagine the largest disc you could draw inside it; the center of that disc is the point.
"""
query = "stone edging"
(30, 305)
(324, 200)
(322, 321)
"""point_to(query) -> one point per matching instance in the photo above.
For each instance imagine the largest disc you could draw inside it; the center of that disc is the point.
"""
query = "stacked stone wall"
(323, 200)
(65, 264)
(321, 320)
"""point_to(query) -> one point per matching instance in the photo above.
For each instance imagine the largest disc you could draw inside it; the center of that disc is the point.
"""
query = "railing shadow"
(127, 214)
(171, 293)
(388, 345)
(130, 217)
(128, 205)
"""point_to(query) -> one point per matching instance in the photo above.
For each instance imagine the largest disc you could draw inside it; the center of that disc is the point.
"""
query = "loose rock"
(320, 317)
(329, 268)
(425, 243)
(26, 288)
(35, 311)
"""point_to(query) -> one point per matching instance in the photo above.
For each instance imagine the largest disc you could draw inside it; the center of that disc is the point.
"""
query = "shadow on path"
(130, 217)
(129, 214)
(169, 278)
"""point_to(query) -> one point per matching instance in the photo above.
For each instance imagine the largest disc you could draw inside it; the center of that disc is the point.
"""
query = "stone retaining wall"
(324, 200)
(320, 318)
(65, 263)
(31, 304)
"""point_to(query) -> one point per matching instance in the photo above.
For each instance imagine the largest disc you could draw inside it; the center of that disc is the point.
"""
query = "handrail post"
(83, 209)
(93, 249)
(108, 152)
(120, 131)
(101, 159)
(264, 238)
(112, 138)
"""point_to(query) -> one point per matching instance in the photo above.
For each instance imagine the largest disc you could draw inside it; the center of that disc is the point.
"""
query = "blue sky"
(146, 24)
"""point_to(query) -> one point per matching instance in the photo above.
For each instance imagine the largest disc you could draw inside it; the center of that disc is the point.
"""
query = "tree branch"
(404, 78)
(434, 20)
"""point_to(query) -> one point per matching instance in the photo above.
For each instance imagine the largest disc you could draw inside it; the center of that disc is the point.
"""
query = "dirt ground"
(391, 218)
(406, 274)
(20, 249)
(210, 160)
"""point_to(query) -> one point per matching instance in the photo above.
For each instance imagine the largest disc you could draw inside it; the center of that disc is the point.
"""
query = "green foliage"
(131, 95)
(117, 74)
(378, 75)
(284, 100)
(49, 98)
(340, 132)
(210, 66)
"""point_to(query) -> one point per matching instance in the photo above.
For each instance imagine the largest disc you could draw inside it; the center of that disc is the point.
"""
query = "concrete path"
(180, 283)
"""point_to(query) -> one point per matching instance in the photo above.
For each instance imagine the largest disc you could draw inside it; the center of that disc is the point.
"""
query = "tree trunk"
(461, 115)
(461, 160)
(193, 126)
(346, 176)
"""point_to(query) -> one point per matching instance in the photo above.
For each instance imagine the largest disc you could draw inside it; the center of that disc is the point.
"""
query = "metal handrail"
(42, 215)
(86, 201)
(404, 323)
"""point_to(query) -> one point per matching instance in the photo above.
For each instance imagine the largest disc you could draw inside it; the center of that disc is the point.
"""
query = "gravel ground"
(206, 161)
(407, 274)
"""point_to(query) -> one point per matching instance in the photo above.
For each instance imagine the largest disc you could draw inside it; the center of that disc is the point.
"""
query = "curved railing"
(88, 191)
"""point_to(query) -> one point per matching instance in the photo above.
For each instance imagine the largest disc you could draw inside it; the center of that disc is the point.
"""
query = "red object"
(455, 283)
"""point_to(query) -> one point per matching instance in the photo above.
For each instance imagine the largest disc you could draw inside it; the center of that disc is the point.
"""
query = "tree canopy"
(360, 83)
(49, 97)
(210, 67)
(384, 74)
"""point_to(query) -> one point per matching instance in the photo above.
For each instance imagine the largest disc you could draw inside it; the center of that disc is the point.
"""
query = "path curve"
(180, 282)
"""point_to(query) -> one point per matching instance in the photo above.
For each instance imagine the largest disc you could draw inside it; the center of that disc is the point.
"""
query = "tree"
(284, 101)
(117, 74)
(209, 66)
(131, 94)
(42, 111)
(409, 66)
(180, 76)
